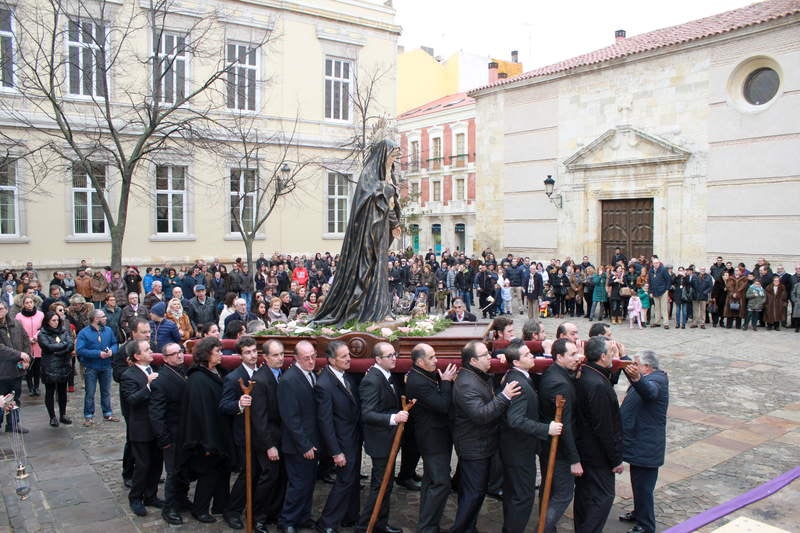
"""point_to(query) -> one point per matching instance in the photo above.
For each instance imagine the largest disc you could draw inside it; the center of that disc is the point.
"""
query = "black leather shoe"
(408, 484)
(260, 527)
(627, 517)
(64, 419)
(204, 518)
(158, 503)
(391, 529)
(288, 529)
(321, 529)
(128, 482)
(171, 516)
(138, 508)
(54, 422)
(233, 521)
(328, 478)
(637, 529)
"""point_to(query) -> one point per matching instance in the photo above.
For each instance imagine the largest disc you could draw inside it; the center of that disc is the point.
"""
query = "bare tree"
(268, 168)
(90, 94)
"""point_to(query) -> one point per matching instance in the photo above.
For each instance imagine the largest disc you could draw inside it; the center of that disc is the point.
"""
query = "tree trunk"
(117, 236)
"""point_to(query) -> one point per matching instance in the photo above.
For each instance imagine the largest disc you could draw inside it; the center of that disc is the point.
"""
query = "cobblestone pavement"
(734, 423)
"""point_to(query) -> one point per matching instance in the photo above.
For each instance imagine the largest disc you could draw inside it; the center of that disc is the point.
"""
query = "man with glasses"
(95, 347)
(166, 398)
(477, 411)
(271, 483)
(380, 415)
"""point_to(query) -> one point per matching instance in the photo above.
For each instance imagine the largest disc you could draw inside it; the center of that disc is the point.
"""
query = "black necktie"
(148, 370)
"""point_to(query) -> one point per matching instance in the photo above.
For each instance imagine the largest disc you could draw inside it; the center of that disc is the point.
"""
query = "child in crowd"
(634, 311)
(505, 293)
(756, 296)
(644, 298)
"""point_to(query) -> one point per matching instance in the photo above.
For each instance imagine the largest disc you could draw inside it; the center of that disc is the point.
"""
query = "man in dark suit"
(380, 413)
(459, 313)
(599, 438)
(135, 387)
(521, 436)
(299, 438)
(432, 389)
(166, 397)
(232, 404)
(559, 378)
(140, 331)
(271, 482)
(338, 416)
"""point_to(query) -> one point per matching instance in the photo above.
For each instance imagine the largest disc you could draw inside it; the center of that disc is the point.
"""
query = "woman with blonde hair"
(181, 319)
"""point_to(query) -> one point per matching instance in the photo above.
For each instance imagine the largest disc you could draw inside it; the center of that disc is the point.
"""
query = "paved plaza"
(734, 423)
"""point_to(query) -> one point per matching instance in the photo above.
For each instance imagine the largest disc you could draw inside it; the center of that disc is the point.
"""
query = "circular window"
(755, 84)
(761, 86)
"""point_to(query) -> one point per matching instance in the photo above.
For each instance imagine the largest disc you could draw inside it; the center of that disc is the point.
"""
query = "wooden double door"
(627, 224)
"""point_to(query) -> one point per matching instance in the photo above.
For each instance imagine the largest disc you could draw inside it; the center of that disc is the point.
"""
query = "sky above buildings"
(543, 32)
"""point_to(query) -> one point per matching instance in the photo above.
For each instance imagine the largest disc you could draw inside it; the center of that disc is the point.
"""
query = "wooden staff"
(389, 472)
(248, 459)
(551, 464)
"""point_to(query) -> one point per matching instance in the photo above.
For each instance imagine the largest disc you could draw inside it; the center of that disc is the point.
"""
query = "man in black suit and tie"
(380, 413)
(271, 482)
(432, 389)
(135, 387)
(299, 438)
(559, 378)
(232, 404)
(521, 437)
(459, 312)
(338, 416)
(166, 397)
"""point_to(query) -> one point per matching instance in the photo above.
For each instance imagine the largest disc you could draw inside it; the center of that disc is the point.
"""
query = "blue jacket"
(659, 280)
(644, 420)
(162, 333)
(702, 287)
(90, 342)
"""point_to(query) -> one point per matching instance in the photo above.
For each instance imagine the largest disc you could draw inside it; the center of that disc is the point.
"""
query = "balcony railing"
(458, 161)
(435, 163)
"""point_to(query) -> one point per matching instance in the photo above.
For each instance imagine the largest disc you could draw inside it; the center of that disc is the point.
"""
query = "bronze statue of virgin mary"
(360, 290)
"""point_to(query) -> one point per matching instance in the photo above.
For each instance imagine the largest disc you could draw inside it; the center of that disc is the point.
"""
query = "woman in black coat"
(56, 342)
(203, 443)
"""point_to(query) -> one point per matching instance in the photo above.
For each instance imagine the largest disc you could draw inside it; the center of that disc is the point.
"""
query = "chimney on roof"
(514, 56)
(493, 66)
(619, 35)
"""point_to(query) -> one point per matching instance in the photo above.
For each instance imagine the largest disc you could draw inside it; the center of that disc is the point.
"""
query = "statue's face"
(392, 156)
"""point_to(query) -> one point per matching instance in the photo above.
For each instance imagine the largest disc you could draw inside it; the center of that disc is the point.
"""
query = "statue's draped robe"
(360, 289)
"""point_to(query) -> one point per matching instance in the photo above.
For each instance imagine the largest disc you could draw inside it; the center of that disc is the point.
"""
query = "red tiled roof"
(690, 31)
(450, 101)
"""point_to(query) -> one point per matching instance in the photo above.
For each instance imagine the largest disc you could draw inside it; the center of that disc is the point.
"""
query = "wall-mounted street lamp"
(283, 179)
(549, 185)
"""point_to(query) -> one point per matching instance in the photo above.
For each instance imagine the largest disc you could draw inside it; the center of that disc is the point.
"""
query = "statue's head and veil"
(360, 290)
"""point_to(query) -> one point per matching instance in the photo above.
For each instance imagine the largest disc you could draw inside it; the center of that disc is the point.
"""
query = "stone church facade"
(683, 142)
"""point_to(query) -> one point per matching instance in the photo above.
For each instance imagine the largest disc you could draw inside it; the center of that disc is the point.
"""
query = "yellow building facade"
(285, 70)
